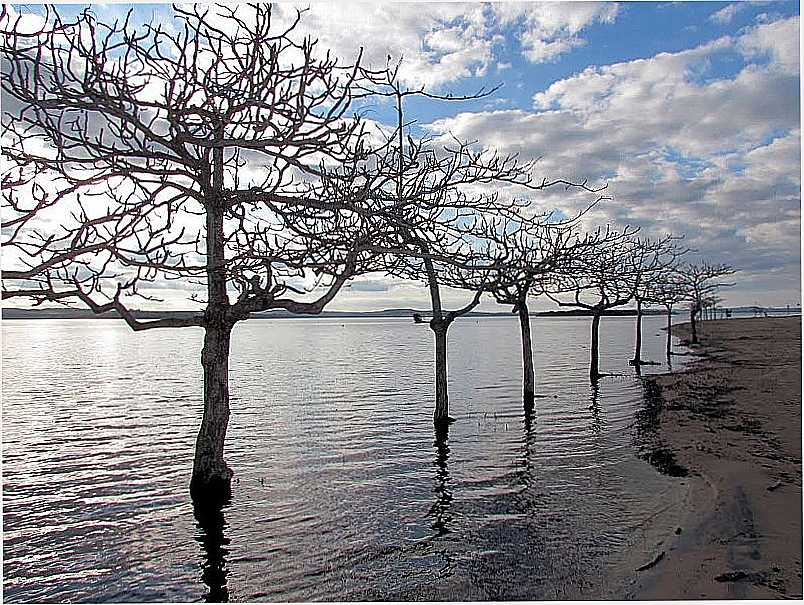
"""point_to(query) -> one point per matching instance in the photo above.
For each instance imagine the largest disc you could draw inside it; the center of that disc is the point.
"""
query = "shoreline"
(729, 425)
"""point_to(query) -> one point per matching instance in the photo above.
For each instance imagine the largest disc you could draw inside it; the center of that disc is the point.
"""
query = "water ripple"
(342, 490)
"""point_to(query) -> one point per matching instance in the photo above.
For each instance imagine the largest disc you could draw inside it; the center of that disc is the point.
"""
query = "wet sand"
(729, 427)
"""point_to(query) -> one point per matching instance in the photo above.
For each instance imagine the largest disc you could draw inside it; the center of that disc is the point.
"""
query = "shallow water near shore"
(343, 490)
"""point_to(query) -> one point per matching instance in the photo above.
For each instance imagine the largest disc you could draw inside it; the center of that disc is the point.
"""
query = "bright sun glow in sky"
(690, 111)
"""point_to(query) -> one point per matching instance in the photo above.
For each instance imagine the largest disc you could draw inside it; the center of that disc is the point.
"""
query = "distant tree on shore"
(709, 307)
(219, 154)
(699, 282)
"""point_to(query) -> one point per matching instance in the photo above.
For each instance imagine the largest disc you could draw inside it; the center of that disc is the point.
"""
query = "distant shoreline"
(11, 313)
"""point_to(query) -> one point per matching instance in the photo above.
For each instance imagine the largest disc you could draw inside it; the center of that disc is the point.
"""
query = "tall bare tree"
(427, 197)
(526, 255)
(218, 155)
(651, 260)
(667, 291)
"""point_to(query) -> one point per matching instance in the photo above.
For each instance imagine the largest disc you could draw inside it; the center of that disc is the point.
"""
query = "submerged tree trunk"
(211, 475)
(594, 372)
(638, 341)
(528, 379)
(441, 413)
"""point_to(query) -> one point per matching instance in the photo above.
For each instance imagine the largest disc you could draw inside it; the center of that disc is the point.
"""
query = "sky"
(688, 111)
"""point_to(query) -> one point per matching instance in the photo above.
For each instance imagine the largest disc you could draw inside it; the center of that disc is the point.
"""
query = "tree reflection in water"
(595, 407)
(212, 524)
(440, 510)
(525, 474)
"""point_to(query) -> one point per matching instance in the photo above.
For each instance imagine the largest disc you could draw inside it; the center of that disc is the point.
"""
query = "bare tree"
(526, 257)
(438, 220)
(651, 260)
(709, 307)
(602, 279)
(217, 155)
(667, 291)
(700, 281)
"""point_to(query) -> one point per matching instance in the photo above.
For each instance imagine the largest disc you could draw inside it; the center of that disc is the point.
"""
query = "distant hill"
(70, 313)
(754, 309)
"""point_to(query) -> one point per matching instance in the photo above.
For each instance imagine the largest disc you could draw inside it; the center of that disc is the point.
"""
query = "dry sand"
(733, 421)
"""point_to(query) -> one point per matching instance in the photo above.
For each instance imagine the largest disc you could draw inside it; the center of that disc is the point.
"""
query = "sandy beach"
(730, 424)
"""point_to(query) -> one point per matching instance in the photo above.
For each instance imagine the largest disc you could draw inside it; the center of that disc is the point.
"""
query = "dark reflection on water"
(214, 544)
(342, 489)
(647, 437)
(440, 511)
(525, 473)
(594, 406)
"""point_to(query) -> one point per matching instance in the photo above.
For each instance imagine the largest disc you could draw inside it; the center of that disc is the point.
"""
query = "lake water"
(342, 489)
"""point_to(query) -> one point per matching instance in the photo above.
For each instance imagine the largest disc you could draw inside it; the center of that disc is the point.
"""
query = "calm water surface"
(342, 489)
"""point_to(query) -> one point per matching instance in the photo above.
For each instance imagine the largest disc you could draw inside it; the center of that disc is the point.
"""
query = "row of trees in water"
(226, 156)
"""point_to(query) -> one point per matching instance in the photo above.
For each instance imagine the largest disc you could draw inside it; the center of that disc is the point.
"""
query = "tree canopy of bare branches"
(527, 256)
(213, 154)
(600, 279)
(698, 282)
(653, 260)
(439, 224)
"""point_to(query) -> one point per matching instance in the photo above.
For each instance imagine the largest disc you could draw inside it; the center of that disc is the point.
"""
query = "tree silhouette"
(667, 290)
(428, 193)
(216, 155)
(699, 282)
(526, 257)
(602, 278)
(651, 260)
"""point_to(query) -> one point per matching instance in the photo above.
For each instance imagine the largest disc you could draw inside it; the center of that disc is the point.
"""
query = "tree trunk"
(211, 475)
(441, 413)
(594, 372)
(528, 380)
(638, 341)
(669, 325)
(694, 339)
